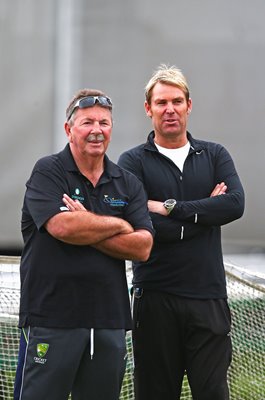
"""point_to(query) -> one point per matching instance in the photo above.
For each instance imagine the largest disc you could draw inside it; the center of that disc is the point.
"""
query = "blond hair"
(169, 75)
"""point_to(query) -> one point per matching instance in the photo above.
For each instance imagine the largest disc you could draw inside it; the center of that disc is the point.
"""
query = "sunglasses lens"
(87, 102)
(104, 101)
(90, 101)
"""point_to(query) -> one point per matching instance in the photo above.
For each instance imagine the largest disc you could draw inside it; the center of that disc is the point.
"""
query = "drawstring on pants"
(91, 343)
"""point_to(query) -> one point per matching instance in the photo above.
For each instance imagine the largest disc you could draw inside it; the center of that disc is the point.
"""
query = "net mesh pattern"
(247, 302)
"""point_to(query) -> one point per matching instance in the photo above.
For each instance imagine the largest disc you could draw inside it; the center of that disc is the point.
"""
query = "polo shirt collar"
(110, 169)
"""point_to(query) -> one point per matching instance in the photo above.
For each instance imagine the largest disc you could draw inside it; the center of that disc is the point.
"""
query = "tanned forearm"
(118, 241)
(132, 246)
(85, 228)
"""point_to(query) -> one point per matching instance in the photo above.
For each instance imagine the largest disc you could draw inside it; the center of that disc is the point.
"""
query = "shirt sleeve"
(173, 230)
(217, 210)
(43, 197)
(130, 162)
(136, 212)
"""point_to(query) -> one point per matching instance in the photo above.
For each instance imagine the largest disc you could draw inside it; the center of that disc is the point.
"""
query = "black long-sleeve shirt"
(187, 259)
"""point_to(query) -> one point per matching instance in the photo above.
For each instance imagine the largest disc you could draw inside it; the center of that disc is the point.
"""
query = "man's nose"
(96, 127)
(170, 108)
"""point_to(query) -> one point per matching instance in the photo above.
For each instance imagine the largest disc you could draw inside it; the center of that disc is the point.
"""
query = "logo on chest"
(78, 195)
(113, 202)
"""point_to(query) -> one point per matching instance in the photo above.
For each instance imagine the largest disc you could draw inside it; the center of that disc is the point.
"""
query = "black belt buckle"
(138, 292)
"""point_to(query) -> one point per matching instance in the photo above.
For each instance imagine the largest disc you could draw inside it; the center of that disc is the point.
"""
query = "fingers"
(219, 189)
(73, 205)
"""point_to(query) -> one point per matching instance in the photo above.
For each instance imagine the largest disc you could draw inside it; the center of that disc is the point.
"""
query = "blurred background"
(51, 49)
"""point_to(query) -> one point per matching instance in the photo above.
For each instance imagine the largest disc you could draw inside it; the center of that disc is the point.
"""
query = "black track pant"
(172, 335)
(54, 362)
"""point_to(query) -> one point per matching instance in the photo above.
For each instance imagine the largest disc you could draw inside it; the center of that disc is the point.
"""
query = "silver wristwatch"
(169, 204)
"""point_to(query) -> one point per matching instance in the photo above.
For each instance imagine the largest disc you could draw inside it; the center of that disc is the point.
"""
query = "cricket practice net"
(247, 302)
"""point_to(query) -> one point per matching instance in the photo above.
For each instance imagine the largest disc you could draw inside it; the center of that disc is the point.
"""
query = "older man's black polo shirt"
(65, 285)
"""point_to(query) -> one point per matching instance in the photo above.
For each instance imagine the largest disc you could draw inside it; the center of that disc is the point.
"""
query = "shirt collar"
(195, 145)
(110, 169)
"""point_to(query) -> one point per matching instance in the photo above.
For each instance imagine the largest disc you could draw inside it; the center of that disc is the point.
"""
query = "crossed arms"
(170, 229)
(157, 206)
(110, 235)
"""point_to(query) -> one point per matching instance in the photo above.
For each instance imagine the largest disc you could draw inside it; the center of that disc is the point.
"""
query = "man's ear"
(147, 109)
(189, 106)
(68, 132)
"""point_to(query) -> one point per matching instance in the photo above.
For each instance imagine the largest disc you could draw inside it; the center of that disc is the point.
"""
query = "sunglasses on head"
(90, 101)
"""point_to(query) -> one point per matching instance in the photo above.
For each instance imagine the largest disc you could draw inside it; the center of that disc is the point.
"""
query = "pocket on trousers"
(136, 309)
(221, 322)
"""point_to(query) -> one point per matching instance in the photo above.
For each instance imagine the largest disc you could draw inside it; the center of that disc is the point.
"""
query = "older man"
(74, 308)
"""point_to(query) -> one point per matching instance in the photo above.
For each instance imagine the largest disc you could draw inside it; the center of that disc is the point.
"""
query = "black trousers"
(54, 362)
(173, 336)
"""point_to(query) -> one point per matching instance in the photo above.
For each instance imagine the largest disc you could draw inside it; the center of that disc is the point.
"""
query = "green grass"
(6, 384)
(246, 382)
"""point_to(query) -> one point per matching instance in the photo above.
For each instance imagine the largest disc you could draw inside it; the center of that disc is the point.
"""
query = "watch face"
(170, 203)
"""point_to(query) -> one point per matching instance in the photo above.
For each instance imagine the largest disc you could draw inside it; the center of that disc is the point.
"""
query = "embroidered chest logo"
(42, 349)
(78, 195)
(114, 202)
